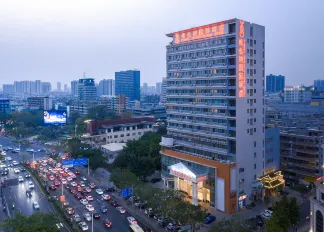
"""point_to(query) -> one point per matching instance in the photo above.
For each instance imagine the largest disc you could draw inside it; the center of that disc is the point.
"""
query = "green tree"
(73, 146)
(74, 116)
(123, 178)
(37, 222)
(95, 156)
(272, 225)
(100, 113)
(234, 224)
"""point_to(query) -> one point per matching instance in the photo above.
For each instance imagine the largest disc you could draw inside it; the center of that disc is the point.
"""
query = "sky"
(59, 40)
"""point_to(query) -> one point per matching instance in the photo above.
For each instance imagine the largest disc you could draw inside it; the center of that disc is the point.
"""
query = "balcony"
(292, 156)
(200, 95)
(197, 105)
(202, 147)
(197, 132)
(197, 114)
(294, 164)
(200, 86)
(198, 123)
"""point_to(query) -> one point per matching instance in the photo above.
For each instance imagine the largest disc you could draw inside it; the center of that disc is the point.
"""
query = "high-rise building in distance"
(74, 88)
(66, 88)
(319, 85)
(275, 83)
(46, 88)
(128, 83)
(8, 89)
(59, 87)
(158, 87)
(106, 87)
(214, 148)
(87, 89)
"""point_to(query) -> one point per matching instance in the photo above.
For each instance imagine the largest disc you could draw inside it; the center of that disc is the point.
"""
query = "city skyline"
(84, 40)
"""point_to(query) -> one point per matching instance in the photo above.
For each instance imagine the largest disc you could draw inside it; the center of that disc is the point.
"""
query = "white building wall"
(250, 113)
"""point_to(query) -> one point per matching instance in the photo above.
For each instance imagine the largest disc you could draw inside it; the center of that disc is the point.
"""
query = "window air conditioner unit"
(224, 84)
(224, 74)
(224, 64)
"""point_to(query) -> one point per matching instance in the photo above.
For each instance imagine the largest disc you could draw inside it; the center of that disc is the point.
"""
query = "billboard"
(54, 117)
(74, 162)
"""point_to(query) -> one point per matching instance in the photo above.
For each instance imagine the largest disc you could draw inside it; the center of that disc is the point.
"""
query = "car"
(15, 163)
(70, 210)
(105, 197)
(74, 184)
(64, 181)
(52, 187)
(83, 226)
(104, 209)
(210, 219)
(53, 198)
(269, 212)
(51, 177)
(90, 208)
(77, 171)
(57, 183)
(16, 170)
(22, 169)
(9, 158)
(31, 185)
(9, 148)
(99, 191)
(27, 175)
(66, 203)
(35, 205)
(131, 220)
(67, 186)
(121, 209)
(20, 179)
(87, 189)
(82, 184)
(173, 226)
(69, 178)
(83, 178)
(89, 198)
(78, 196)
(87, 216)
(265, 215)
(29, 193)
(96, 214)
(73, 191)
(79, 188)
(84, 201)
(76, 217)
(65, 174)
(114, 203)
(30, 150)
(107, 223)
(92, 185)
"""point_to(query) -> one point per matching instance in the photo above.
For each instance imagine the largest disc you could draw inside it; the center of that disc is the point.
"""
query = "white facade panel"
(220, 194)
(233, 179)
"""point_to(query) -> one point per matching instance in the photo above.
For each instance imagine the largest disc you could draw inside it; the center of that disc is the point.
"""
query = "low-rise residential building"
(117, 131)
(317, 208)
(297, 94)
(4, 106)
(43, 103)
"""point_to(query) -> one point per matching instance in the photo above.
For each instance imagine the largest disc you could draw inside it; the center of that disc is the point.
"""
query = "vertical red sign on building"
(241, 62)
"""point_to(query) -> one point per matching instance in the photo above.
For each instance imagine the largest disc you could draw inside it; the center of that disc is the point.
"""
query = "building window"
(254, 143)
(254, 41)
(322, 196)
(254, 166)
(248, 131)
(254, 154)
(254, 52)
(254, 177)
(115, 136)
(254, 71)
(254, 61)
(254, 129)
(241, 170)
(128, 134)
(121, 135)
(319, 221)
(139, 133)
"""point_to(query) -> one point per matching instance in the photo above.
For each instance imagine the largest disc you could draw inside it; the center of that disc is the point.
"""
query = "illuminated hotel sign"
(241, 62)
(187, 177)
(199, 33)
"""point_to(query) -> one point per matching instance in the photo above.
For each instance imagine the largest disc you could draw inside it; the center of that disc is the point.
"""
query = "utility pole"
(92, 221)
(62, 194)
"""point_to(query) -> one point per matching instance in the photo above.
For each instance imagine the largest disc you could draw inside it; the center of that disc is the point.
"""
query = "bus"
(135, 228)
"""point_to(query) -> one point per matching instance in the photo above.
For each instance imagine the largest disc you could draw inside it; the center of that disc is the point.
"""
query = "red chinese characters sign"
(180, 174)
(199, 33)
(241, 62)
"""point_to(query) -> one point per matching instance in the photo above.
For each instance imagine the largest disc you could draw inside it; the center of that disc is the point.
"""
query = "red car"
(51, 177)
(73, 191)
(70, 211)
(107, 223)
(88, 189)
(78, 196)
(65, 174)
(77, 172)
(92, 185)
(79, 188)
(57, 183)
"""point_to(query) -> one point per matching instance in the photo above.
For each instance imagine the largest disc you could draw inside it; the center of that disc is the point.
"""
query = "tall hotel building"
(214, 149)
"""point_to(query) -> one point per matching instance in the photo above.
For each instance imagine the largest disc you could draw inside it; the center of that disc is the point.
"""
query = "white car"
(64, 181)
(99, 191)
(15, 163)
(16, 170)
(131, 220)
(121, 209)
(74, 184)
(90, 208)
(84, 201)
(27, 175)
(83, 178)
(105, 196)
(31, 185)
(87, 216)
(9, 158)
(89, 198)
(20, 179)
(35, 205)
(265, 215)
(269, 212)
(30, 150)
(69, 178)
(83, 226)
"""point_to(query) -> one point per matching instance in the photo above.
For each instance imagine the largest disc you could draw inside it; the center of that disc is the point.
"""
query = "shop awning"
(182, 171)
(272, 180)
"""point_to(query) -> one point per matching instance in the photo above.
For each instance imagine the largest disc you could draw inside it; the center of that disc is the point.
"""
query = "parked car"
(210, 219)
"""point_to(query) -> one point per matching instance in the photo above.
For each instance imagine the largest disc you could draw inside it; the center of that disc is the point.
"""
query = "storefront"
(190, 181)
(271, 182)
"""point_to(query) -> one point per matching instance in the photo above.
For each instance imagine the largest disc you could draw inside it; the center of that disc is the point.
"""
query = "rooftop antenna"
(84, 75)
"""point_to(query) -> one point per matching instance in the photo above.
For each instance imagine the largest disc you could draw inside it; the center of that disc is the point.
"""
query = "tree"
(37, 222)
(74, 146)
(95, 156)
(123, 178)
(234, 224)
(272, 225)
(285, 213)
(74, 116)
(100, 113)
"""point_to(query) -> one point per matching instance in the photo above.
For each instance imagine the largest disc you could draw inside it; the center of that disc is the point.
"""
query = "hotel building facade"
(214, 148)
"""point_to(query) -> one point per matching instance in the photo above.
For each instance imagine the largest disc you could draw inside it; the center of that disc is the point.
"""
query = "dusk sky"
(58, 40)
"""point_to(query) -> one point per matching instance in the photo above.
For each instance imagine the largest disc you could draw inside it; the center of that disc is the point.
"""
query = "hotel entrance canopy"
(182, 171)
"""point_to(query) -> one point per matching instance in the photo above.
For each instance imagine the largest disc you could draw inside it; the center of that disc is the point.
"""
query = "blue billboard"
(54, 117)
(75, 162)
